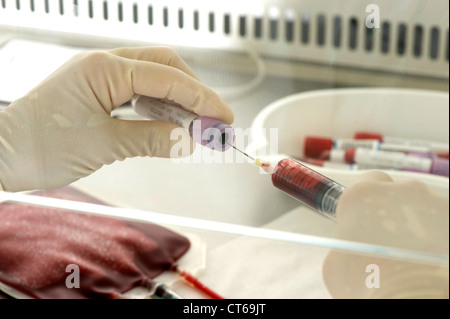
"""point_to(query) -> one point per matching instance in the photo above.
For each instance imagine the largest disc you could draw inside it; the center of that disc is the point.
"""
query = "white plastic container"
(339, 113)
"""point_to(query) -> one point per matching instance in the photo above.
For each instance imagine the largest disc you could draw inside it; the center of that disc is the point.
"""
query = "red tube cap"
(368, 136)
(315, 146)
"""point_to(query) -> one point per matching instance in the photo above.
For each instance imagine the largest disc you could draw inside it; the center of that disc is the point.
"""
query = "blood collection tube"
(373, 159)
(397, 160)
(314, 147)
(427, 146)
(306, 185)
(204, 130)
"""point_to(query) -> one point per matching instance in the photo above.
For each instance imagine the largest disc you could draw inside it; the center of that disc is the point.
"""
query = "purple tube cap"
(212, 133)
(440, 166)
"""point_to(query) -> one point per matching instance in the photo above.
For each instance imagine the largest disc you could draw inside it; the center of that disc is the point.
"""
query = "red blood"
(314, 161)
(299, 181)
(113, 256)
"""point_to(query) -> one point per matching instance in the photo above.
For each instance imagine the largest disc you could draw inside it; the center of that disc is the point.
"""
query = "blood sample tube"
(431, 164)
(314, 147)
(438, 148)
(204, 130)
(308, 186)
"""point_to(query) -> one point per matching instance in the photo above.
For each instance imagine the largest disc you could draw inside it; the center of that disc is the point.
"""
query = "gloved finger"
(334, 269)
(162, 55)
(364, 186)
(375, 176)
(165, 82)
(147, 138)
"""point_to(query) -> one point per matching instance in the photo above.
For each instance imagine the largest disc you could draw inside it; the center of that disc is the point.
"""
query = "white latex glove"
(407, 215)
(62, 131)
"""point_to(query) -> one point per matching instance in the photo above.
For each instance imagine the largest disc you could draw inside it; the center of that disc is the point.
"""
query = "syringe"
(295, 179)
(304, 184)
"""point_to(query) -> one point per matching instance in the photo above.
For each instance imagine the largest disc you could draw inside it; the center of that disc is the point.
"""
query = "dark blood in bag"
(37, 244)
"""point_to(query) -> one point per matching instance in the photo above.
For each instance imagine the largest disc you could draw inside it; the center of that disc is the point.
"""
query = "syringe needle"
(264, 165)
(242, 152)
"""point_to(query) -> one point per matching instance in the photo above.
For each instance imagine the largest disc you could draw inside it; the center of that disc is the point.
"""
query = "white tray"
(339, 113)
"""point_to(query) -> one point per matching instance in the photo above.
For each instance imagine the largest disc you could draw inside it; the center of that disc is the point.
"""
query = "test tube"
(308, 186)
(204, 130)
(427, 146)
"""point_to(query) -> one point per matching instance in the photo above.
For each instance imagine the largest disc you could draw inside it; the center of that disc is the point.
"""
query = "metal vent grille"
(413, 37)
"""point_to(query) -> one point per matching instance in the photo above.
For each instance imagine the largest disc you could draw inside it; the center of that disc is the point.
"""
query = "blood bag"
(42, 250)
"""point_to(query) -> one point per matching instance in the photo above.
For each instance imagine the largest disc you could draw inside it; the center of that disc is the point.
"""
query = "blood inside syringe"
(305, 184)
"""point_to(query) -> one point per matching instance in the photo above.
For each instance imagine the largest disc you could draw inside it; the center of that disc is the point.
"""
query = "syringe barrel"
(308, 186)
(204, 130)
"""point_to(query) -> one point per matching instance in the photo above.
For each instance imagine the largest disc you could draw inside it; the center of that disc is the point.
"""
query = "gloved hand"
(62, 131)
(407, 215)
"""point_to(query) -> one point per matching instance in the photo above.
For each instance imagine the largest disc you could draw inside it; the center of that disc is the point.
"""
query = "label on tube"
(344, 144)
(157, 110)
(394, 160)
